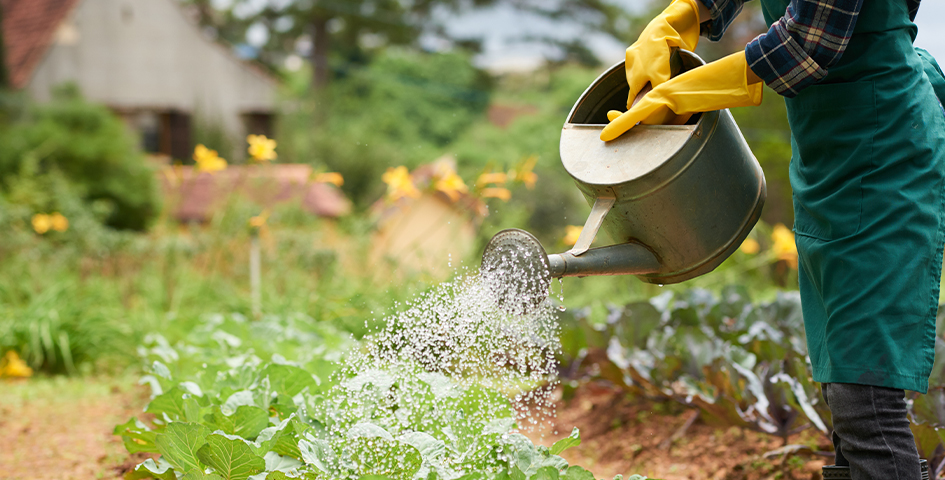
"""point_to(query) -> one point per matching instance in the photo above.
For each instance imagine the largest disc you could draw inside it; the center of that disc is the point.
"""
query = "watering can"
(677, 200)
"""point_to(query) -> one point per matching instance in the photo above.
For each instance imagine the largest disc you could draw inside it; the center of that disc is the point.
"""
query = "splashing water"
(451, 377)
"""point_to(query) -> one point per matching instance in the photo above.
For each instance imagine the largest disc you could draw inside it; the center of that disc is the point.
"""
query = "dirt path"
(61, 428)
(621, 435)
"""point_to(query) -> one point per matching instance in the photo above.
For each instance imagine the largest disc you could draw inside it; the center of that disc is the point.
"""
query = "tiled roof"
(29, 27)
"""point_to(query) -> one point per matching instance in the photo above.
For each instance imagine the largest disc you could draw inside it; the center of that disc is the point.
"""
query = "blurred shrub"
(85, 152)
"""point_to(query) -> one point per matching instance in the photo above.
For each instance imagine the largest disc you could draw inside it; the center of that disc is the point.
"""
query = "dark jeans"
(871, 432)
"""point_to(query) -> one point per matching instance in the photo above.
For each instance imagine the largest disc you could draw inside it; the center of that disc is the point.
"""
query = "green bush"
(87, 146)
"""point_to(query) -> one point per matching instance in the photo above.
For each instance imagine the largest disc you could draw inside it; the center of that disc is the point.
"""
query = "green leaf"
(160, 370)
(198, 475)
(513, 474)
(170, 403)
(238, 399)
(230, 457)
(545, 473)
(577, 473)
(268, 438)
(247, 421)
(276, 462)
(529, 458)
(194, 411)
(287, 443)
(319, 453)
(136, 436)
(572, 440)
(369, 430)
(160, 470)
(179, 444)
(289, 380)
(376, 456)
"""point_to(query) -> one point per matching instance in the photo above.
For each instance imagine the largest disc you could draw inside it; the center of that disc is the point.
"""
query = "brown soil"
(623, 435)
(58, 428)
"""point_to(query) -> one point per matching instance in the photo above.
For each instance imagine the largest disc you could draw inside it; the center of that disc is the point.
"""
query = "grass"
(75, 311)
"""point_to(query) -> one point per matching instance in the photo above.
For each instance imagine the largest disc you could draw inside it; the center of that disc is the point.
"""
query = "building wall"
(135, 55)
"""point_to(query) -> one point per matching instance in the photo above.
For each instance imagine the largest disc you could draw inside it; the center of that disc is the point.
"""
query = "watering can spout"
(517, 270)
(625, 259)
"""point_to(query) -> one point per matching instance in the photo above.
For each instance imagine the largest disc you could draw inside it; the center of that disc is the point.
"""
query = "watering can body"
(676, 200)
(690, 194)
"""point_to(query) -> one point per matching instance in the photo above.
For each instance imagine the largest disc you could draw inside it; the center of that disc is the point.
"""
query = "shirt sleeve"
(798, 49)
(722, 13)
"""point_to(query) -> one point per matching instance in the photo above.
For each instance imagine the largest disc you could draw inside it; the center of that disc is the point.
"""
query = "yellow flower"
(59, 222)
(12, 366)
(333, 178)
(452, 185)
(750, 246)
(259, 220)
(496, 178)
(501, 193)
(208, 160)
(41, 223)
(523, 173)
(262, 149)
(399, 183)
(784, 246)
(571, 234)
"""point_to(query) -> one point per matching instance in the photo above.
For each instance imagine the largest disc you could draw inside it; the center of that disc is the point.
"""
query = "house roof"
(29, 27)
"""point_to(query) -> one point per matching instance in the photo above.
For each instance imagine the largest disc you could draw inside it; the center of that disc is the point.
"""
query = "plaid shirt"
(800, 47)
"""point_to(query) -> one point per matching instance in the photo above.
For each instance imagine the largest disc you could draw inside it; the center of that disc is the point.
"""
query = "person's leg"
(871, 432)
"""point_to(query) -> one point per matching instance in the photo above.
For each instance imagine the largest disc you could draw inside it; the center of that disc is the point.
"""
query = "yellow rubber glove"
(648, 59)
(714, 86)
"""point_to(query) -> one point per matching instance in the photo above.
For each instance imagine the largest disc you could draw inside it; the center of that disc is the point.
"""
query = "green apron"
(868, 174)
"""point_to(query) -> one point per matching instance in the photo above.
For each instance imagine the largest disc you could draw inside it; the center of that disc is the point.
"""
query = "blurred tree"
(404, 108)
(321, 28)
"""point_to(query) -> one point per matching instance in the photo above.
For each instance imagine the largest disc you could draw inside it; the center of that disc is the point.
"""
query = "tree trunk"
(321, 75)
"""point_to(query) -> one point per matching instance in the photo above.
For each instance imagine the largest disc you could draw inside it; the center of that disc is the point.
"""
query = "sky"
(500, 27)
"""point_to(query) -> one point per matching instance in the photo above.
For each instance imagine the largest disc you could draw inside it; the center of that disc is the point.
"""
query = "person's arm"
(731, 9)
(799, 49)
(716, 15)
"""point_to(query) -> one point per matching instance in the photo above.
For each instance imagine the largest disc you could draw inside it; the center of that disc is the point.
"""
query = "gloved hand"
(714, 86)
(648, 59)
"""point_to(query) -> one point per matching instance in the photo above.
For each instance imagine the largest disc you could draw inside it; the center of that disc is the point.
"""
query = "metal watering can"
(677, 200)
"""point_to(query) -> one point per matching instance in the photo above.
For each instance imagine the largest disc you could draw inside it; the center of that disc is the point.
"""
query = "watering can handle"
(601, 206)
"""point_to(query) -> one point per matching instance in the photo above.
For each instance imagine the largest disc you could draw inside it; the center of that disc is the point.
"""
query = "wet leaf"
(572, 440)
(230, 457)
(545, 473)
